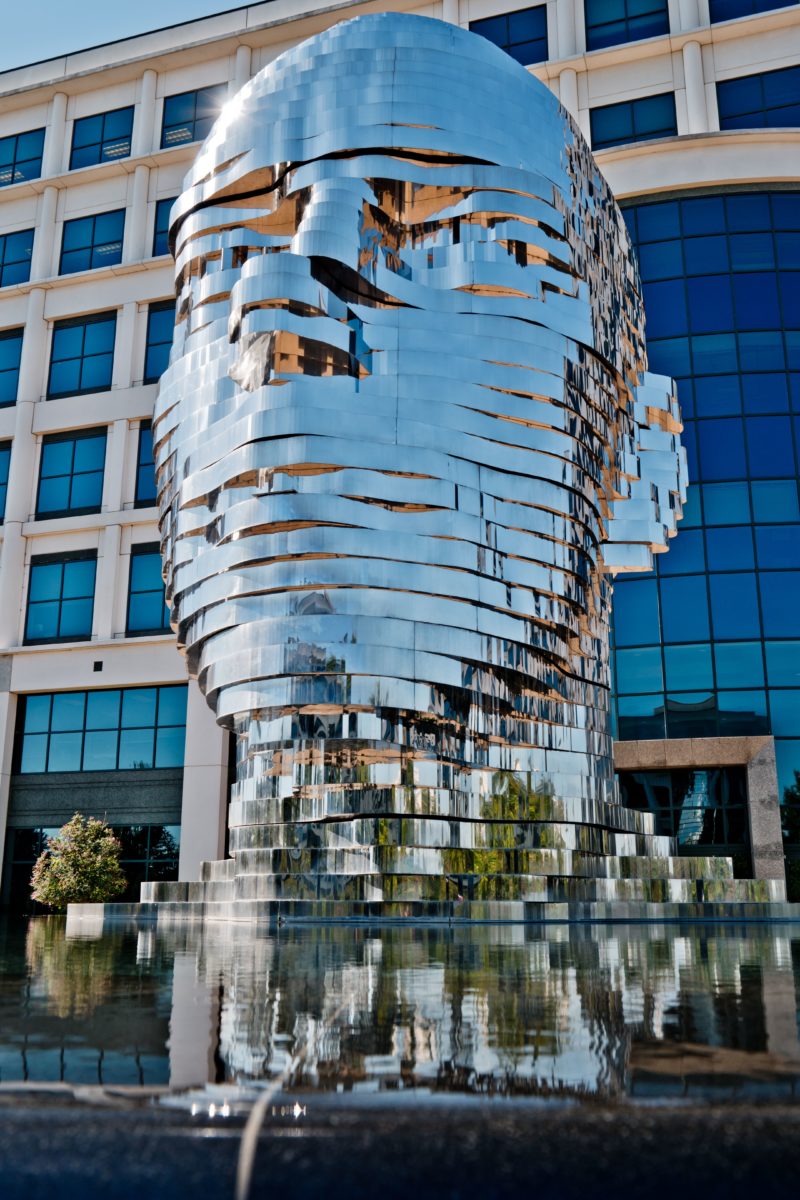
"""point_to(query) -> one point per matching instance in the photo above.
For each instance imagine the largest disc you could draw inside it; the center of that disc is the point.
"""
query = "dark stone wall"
(121, 797)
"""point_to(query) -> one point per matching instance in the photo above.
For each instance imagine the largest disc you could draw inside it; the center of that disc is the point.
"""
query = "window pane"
(100, 751)
(739, 664)
(635, 606)
(76, 618)
(734, 606)
(780, 601)
(783, 663)
(172, 705)
(65, 752)
(68, 710)
(684, 609)
(45, 581)
(102, 710)
(638, 670)
(135, 749)
(688, 667)
(169, 747)
(139, 707)
(37, 714)
(87, 491)
(34, 753)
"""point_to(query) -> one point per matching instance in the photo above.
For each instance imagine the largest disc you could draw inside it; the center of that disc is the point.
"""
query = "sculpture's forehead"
(384, 82)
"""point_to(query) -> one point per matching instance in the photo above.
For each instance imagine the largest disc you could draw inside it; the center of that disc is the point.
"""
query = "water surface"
(616, 1012)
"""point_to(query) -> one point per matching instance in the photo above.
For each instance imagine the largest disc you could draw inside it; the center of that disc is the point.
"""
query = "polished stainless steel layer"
(405, 437)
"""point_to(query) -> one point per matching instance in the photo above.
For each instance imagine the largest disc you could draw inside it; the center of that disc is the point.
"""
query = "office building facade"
(693, 113)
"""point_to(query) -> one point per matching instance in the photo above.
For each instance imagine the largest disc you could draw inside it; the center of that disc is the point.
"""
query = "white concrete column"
(450, 11)
(54, 160)
(42, 265)
(697, 115)
(241, 69)
(204, 804)
(144, 117)
(565, 26)
(116, 449)
(568, 91)
(8, 717)
(579, 21)
(105, 588)
(192, 1024)
(689, 16)
(21, 475)
(136, 216)
(123, 346)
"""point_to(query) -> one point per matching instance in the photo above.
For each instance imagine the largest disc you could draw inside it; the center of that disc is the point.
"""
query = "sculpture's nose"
(332, 224)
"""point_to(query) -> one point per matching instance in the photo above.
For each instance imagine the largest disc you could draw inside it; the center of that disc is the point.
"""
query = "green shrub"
(80, 865)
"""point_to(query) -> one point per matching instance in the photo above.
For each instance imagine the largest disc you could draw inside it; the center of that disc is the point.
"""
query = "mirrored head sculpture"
(405, 437)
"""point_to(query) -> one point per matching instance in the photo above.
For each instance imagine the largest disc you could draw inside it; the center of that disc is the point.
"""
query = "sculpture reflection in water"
(484, 1009)
(405, 436)
(495, 1010)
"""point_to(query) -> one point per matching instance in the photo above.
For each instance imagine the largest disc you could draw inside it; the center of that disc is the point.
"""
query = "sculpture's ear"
(643, 521)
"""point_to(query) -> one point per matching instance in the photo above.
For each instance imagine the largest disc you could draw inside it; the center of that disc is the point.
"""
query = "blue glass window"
(726, 503)
(730, 548)
(10, 355)
(778, 546)
(188, 116)
(769, 447)
(784, 707)
(771, 98)
(60, 597)
(71, 473)
(90, 242)
(633, 121)
(685, 554)
(522, 34)
(21, 157)
(729, 10)
(636, 613)
(780, 602)
(688, 667)
(147, 611)
(734, 606)
(5, 463)
(118, 729)
(722, 449)
(611, 22)
(82, 357)
(145, 468)
(684, 609)
(775, 501)
(640, 717)
(783, 664)
(160, 324)
(639, 670)
(742, 713)
(104, 137)
(161, 229)
(15, 257)
(739, 664)
(691, 714)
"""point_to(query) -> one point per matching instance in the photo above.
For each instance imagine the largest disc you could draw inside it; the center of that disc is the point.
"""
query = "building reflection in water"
(496, 1010)
(489, 1010)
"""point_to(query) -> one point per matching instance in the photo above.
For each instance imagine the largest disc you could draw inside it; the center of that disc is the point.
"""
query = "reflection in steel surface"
(406, 435)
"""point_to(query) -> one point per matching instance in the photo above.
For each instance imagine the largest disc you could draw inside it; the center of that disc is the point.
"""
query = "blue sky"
(35, 29)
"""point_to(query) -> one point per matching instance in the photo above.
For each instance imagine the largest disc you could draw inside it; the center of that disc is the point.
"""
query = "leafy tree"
(80, 865)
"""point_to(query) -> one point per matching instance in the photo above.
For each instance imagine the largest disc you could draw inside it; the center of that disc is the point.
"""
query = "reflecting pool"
(637, 1012)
